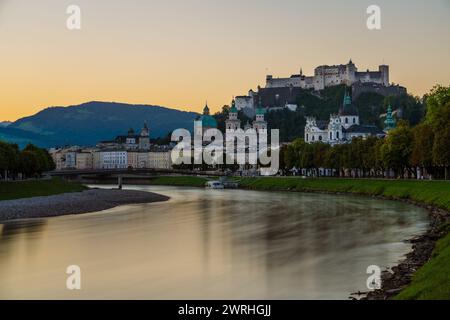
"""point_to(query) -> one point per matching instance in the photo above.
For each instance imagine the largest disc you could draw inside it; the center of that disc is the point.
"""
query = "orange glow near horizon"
(180, 53)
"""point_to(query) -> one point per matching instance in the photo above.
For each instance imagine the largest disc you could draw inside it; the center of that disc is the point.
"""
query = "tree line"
(406, 151)
(26, 163)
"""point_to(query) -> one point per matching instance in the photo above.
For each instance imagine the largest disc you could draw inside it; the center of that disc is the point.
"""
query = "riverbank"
(36, 188)
(424, 273)
(86, 201)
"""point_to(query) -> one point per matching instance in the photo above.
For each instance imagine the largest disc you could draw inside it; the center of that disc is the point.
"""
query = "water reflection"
(210, 244)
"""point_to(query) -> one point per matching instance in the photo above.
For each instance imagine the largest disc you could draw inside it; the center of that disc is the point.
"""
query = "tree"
(29, 163)
(397, 148)
(435, 102)
(441, 145)
(422, 148)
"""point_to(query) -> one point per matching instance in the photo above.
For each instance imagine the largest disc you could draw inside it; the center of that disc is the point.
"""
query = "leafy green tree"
(441, 145)
(29, 163)
(397, 148)
(435, 102)
(411, 108)
(422, 149)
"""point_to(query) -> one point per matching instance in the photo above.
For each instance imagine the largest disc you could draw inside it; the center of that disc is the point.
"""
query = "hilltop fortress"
(327, 76)
(281, 93)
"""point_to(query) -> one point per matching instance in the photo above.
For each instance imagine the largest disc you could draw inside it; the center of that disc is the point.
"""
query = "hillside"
(371, 107)
(88, 123)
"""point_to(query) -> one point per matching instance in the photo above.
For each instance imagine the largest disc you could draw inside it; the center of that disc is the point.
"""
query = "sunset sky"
(179, 53)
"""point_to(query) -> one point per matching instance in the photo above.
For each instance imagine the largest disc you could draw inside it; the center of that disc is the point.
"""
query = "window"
(346, 120)
(307, 137)
(354, 120)
(313, 138)
(331, 135)
(320, 138)
(337, 135)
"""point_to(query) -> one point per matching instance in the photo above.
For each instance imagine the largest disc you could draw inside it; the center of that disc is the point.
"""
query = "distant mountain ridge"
(90, 122)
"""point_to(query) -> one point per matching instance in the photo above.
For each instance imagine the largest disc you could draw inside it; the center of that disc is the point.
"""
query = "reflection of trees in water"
(13, 231)
(286, 230)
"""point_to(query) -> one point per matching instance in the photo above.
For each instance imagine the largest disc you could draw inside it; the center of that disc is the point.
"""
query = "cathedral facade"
(343, 127)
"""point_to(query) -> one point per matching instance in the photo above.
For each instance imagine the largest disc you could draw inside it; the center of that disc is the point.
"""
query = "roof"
(322, 124)
(208, 121)
(123, 139)
(260, 111)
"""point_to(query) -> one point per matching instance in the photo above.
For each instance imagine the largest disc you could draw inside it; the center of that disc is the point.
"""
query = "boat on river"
(214, 185)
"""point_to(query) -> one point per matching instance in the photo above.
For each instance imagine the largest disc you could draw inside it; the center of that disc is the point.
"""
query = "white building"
(260, 123)
(233, 123)
(110, 159)
(327, 76)
(84, 160)
(131, 141)
(160, 159)
(341, 128)
(243, 102)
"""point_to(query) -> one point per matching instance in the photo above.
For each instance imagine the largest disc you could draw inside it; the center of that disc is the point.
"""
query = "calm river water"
(208, 244)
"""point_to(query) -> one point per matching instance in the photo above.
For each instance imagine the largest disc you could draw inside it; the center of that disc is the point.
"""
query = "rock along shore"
(74, 203)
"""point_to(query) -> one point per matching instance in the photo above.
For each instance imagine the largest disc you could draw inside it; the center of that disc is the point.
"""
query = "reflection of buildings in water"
(24, 233)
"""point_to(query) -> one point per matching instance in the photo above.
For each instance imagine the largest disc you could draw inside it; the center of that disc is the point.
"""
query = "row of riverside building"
(131, 151)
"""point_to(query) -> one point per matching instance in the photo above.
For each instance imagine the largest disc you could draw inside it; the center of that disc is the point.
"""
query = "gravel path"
(74, 203)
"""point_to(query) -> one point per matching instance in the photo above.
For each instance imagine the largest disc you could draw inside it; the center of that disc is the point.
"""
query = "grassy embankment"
(36, 188)
(432, 281)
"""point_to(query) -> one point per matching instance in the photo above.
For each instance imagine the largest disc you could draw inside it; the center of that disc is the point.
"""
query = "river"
(209, 244)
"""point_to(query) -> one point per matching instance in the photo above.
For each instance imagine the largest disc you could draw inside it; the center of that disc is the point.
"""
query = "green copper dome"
(233, 108)
(390, 122)
(348, 108)
(208, 121)
(260, 111)
(347, 100)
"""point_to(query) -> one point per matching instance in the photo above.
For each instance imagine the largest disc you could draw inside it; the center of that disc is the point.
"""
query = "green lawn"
(436, 193)
(36, 188)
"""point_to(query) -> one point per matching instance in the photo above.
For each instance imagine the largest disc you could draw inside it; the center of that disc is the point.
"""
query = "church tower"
(144, 138)
(348, 113)
(260, 123)
(233, 123)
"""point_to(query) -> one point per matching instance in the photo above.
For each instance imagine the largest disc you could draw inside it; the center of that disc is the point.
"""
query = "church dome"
(260, 111)
(208, 121)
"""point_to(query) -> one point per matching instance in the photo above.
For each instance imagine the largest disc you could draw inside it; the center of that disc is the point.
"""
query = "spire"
(260, 110)
(301, 71)
(347, 99)
(206, 109)
(233, 106)
(145, 132)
